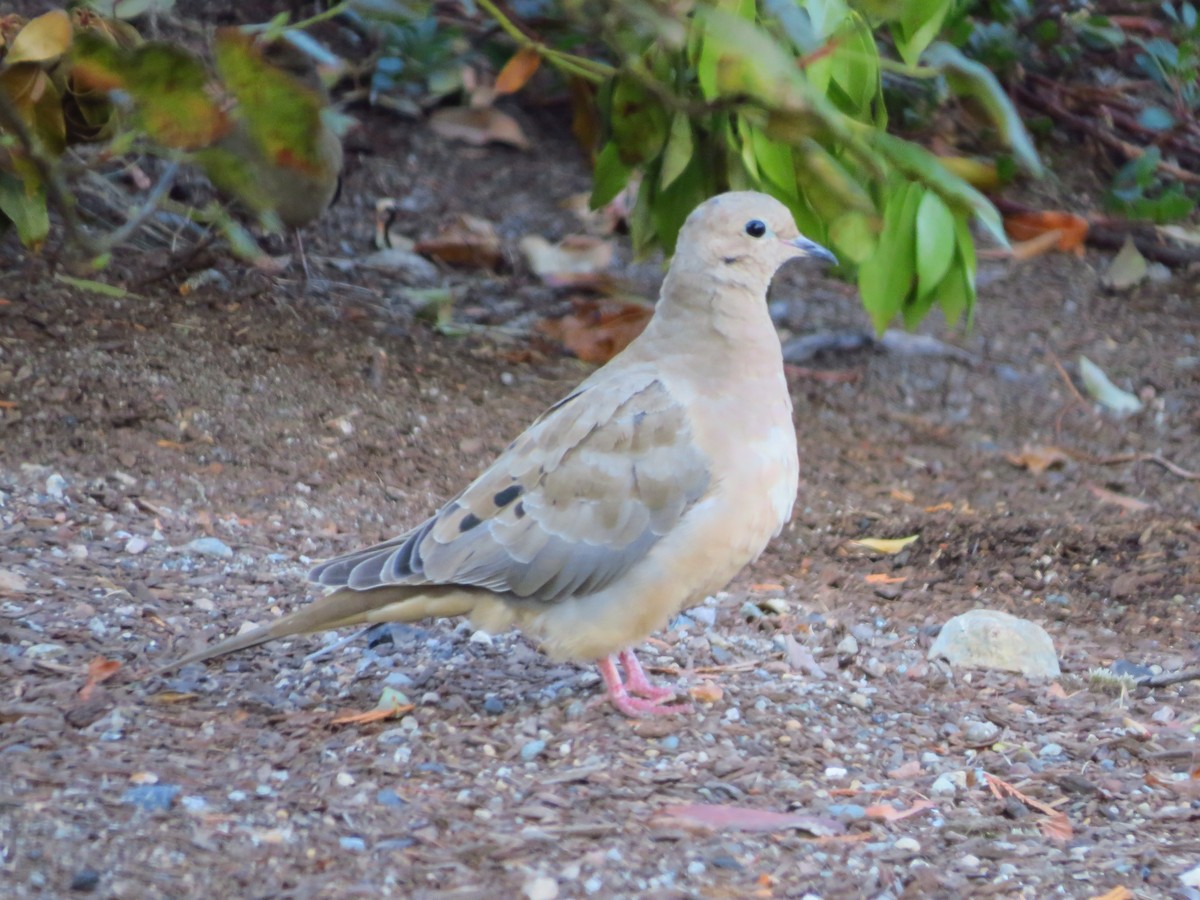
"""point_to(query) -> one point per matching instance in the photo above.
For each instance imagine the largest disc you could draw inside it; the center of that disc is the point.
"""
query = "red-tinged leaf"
(466, 241)
(720, 817)
(1072, 229)
(517, 71)
(888, 813)
(598, 329)
(99, 671)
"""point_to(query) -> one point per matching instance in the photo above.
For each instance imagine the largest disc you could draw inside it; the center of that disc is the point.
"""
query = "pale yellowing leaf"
(886, 545)
(45, 38)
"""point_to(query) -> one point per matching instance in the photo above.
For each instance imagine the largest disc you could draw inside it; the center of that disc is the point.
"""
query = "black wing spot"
(469, 521)
(508, 495)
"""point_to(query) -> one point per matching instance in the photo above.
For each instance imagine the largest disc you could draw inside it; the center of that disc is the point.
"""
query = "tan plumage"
(647, 488)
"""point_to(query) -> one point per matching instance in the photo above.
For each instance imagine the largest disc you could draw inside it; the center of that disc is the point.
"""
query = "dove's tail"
(342, 608)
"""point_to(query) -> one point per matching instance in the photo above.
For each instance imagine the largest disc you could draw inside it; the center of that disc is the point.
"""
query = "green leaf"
(639, 123)
(279, 98)
(936, 243)
(610, 176)
(919, 24)
(920, 164)
(751, 62)
(678, 151)
(968, 78)
(24, 203)
(674, 204)
(776, 165)
(95, 287)
(853, 237)
(886, 279)
(956, 295)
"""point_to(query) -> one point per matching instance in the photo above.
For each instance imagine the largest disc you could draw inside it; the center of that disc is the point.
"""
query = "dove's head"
(743, 237)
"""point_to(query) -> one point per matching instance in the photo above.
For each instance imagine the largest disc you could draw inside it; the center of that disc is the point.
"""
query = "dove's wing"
(567, 508)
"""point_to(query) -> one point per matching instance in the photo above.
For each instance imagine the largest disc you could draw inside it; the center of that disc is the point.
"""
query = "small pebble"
(834, 772)
(696, 868)
(847, 646)
(907, 844)
(482, 638)
(353, 844)
(344, 779)
(980, 732)
(541, 888)
(151, 797)
(944, 785)
(847, 812)
(493, 706)
(56, 486)
(388, 797)
(85, 880)
(136, 545)
(1051, 750)
(210, 546)
(193, 803)
(532, 751)
(860, 701)
(970, 862)
(670, 742)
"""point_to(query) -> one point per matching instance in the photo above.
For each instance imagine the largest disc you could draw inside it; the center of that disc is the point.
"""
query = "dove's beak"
(812, 249)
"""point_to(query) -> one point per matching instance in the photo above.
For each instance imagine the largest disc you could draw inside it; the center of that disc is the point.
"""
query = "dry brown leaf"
(1023, 250)
(1055, 826)
(576, 254)
(883, 578)
(171, 697)
(706, 692)
(466, 241)
(1072, 229)
(598, 329)
(940, 507)
(888, 813)
(99, 671)
(8, 404)
(1118, 893)
(1129, 504)
(1037, 459)
(372, 715)
(478, 126)
(517, 71)
(12, 583)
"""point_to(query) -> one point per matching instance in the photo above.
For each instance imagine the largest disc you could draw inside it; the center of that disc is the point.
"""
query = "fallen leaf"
(517, 71)
(800, 658)
(1131, 504)
(576, 254)
(902, 496)
(466, 241)
(883, 578)
(940, 507)
(1103, 390)
(706, 692)
(392, 704)
(99, 671)
(888, 813)
(1117, 893)
(1023, 250)
(9, 404)
(1056, 825)
(721, 817)
(1072, 229)
(478, 126)
(1127, 269)
(598, 329)
(886, 545)
(1037, 459)
(975, 172)
(171, 697)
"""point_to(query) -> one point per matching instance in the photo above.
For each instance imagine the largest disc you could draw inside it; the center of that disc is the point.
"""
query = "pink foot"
(633, 707)
(636, 681)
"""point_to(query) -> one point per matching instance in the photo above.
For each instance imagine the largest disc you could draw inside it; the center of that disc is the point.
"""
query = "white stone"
(991, 639)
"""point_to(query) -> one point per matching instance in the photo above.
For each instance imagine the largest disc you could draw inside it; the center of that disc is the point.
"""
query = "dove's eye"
(755, 228)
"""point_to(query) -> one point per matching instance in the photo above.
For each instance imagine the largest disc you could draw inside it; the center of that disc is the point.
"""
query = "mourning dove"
(647, 488)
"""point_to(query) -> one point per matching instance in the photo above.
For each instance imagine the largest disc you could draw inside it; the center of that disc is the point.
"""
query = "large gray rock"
(990, 639)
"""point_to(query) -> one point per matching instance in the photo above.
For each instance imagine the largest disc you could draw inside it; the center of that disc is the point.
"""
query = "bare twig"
(1172, 678)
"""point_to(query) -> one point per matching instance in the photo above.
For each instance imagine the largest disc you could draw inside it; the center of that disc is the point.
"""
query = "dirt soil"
(170, 466)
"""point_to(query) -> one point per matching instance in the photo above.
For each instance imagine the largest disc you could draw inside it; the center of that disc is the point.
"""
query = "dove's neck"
(722, 319)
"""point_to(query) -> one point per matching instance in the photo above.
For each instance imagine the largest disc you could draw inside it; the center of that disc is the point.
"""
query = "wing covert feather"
(572, 503)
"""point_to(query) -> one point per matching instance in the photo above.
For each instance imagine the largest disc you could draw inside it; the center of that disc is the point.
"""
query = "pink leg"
(626, 704)
(636, 681)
